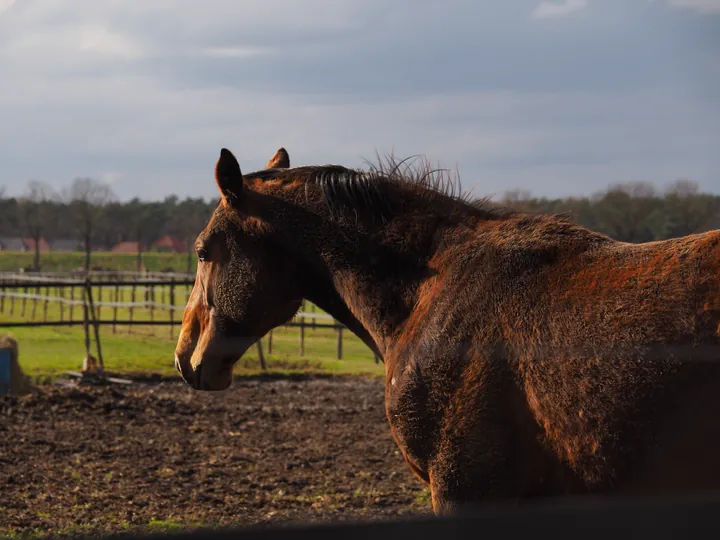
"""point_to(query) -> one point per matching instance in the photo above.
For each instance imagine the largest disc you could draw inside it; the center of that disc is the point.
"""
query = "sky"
(558, 98)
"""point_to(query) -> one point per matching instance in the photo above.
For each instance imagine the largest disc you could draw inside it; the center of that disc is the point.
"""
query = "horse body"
(525, 355)
(549, 360)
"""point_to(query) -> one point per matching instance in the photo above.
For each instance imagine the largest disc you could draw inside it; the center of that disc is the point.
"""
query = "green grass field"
(147, 350)
(48, 352)
(66, 261)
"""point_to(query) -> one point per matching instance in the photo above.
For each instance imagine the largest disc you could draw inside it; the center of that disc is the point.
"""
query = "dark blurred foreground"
(571, 519)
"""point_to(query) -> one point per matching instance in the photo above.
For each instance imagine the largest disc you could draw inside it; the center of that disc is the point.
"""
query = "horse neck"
(366, 277)
(371, 290)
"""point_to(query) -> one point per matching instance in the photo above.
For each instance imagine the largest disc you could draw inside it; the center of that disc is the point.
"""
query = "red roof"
(30, 243)
(126, 247)
(171, 243)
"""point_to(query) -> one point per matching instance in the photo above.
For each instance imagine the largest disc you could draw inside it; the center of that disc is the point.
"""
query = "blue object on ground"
(5, 371)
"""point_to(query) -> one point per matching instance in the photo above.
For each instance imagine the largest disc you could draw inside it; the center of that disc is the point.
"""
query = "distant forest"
(88, 212)
(634, 212)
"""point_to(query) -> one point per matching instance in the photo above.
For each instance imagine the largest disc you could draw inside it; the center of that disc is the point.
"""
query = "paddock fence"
(123, 301)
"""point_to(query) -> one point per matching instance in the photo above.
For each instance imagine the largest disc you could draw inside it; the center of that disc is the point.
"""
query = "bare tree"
(87, 198)
(193, 225)
(150, 219)
(683, 188)
(637, 190)
(514, 196)
(36, 207)
(624, 209)
(688, 209)
(186, 222)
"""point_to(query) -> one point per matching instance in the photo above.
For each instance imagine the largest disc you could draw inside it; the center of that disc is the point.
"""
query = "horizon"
(658, 191)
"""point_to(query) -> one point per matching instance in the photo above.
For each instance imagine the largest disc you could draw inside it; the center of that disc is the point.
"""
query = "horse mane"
(380, 191)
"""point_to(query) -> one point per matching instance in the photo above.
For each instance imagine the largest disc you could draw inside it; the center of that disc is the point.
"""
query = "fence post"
(172, 307)
(302, 336)
(95, 324)
(132, 301)
(35, 301)
(115, 308)
(86, 323)
(339, 342)
(150, 294)
(24, 302)
(270, 342)
(47, 299)
(261, 356)
(99, 292)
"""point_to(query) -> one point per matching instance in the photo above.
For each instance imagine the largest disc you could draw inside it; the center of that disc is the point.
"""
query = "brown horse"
(525, 355)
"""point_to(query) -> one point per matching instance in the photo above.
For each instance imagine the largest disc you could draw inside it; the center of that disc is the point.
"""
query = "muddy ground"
(102, 460)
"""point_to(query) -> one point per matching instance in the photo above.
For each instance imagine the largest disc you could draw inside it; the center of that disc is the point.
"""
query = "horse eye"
(202, 254)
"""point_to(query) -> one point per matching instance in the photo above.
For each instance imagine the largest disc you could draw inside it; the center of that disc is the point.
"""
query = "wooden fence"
(145, 300)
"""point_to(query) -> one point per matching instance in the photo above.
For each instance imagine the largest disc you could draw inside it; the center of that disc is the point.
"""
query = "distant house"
(13, 244)
(126, 247)
(30, 243)
(169, 244)
(65, 244)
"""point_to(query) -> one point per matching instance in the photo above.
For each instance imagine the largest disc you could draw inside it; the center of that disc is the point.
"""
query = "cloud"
(5, 5)
(110, 177)
(158, 139)
(552, 10)
(100, 40)
(150, 91)
(67, 49)
(701, 6)
(235, 52)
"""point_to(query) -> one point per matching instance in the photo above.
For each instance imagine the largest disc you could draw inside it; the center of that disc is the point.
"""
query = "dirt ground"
(148, 457)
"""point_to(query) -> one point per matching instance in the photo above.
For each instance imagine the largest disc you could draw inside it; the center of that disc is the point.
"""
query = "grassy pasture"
(145, 350)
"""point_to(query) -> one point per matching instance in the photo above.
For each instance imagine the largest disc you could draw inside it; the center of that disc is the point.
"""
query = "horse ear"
(228, 176)
(281, 160)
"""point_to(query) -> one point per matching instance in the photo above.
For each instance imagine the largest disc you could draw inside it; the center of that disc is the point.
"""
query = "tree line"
(632, 212)
(89, 212)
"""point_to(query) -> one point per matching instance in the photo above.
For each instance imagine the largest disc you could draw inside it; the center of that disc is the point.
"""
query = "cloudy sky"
(556, 97)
